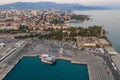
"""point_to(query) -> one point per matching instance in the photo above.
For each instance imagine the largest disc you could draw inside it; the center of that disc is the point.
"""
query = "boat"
(49, 59)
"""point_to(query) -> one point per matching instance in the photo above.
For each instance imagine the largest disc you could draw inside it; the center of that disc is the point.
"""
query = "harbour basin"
(31, 68)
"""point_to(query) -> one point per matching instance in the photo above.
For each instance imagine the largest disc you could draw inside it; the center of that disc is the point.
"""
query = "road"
(109, 62)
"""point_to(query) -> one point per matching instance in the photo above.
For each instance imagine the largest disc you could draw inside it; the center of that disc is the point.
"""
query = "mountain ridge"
(50, 5)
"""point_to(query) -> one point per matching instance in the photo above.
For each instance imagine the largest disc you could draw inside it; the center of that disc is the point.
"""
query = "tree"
(56, 21)
(23, 28)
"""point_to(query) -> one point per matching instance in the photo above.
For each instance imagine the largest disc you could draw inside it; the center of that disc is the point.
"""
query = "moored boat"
(48, 59)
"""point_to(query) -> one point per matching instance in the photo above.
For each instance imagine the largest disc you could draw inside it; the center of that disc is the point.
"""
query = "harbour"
(90, 66)
(95, 63)
(80, 70)
(10, 68)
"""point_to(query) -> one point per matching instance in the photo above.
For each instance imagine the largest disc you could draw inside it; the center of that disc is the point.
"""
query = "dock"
(93, 70)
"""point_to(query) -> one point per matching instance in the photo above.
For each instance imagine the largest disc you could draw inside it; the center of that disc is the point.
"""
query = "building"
(103, 42)
(86, 41)
(89, 44)
(9, 27)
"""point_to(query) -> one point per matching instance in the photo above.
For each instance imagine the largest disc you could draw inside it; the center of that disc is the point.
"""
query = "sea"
(109, 19)
(31, 68)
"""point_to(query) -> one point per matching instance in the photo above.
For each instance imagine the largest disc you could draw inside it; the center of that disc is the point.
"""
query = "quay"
(11, 61)
(71, 60)
(92, 74)
(96, 71)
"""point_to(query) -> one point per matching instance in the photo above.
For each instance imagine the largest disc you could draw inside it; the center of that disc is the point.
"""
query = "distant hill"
(49, 5)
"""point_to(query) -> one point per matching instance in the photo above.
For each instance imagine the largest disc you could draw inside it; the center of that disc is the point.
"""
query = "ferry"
(48, 59)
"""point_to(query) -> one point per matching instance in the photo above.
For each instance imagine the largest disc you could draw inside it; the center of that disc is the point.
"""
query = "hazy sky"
(83, 2)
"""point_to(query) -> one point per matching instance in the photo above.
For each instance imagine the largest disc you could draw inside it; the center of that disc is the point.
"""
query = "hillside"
(49, 5)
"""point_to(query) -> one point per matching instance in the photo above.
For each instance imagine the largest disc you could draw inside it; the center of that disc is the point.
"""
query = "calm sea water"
(110, 19)
(34, 69)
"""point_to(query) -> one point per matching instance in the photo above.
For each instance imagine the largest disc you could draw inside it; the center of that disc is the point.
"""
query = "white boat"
(48, 59)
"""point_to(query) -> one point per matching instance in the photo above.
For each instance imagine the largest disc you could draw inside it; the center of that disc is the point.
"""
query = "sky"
(83, 2)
